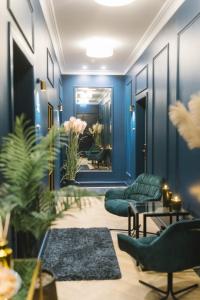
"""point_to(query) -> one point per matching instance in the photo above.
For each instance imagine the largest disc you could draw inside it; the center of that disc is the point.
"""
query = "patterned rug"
(80, 254)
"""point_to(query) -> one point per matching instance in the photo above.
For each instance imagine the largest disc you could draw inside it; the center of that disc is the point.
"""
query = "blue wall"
(38, 58)
(172, 67)
(118, 109)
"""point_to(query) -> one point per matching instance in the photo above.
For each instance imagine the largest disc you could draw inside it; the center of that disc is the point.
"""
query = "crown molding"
(166, 12)
(50, 18)
(94, 72)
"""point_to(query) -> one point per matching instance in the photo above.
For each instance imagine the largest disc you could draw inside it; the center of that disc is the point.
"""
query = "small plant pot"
(48, 287)
(67, 182)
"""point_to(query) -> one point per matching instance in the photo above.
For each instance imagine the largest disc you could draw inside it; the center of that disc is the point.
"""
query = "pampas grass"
(4, 226)
(187, 121)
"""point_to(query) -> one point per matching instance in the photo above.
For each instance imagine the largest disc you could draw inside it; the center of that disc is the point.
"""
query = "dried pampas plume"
(187, 121)
(195, 191)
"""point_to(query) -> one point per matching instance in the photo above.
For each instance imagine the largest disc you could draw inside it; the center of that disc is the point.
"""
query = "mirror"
(93, 105)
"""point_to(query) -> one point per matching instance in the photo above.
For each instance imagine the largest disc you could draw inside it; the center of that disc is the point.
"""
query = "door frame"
(138, 99)
(15, 37)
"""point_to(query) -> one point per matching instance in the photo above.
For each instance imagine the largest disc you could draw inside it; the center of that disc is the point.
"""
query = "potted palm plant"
(72, 129)
(24, 164)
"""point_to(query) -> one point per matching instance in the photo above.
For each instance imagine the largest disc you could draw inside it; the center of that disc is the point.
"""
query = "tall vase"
(5, 254)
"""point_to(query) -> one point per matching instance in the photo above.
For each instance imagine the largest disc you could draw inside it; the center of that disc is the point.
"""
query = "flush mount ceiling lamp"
(99, 48)
(114, 3)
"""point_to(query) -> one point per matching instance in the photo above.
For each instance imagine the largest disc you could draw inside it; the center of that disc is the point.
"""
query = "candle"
(165, 193)
(176, 203)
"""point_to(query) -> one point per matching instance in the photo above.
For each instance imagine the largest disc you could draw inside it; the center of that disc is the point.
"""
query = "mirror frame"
(112, 116)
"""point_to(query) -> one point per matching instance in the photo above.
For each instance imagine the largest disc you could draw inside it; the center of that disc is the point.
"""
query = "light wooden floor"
(93, 214)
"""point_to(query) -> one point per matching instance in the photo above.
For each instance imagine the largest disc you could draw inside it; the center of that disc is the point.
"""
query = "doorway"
(50, 125)
(22, 101)
(141, 136)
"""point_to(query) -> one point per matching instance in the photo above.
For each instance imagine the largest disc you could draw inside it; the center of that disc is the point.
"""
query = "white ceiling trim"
(93, 72)
(165, 13)
(49, 15)
(163, 16)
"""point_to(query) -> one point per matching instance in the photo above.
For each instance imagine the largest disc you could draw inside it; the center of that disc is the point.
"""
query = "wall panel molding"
(188, 48)
(160, 120)
(141, 80)
(23, 17)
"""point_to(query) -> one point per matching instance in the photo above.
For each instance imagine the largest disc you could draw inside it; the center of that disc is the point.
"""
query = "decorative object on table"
(96, 131)
(10, 283)
(80, 254)
(166, 195)
(24, 163)
(176, 203)
(5, 251)
(72, 128)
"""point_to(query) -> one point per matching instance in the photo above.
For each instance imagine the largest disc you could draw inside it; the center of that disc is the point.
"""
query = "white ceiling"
(132, 27)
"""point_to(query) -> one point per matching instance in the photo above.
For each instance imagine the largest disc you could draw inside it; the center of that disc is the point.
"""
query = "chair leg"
(169, 292)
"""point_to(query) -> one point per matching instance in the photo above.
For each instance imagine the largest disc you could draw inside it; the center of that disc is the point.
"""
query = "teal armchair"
(176, 249)
(146, 187)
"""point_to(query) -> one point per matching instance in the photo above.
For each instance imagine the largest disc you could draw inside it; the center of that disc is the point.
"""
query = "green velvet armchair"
(146, 187)
(176, 249)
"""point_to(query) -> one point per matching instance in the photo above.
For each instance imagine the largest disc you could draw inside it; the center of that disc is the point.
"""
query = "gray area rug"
(80, 254)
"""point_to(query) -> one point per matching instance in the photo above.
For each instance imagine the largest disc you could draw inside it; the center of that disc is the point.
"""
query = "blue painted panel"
(183, 164)
(38, 59)
(70, 82)
(189, 83)
(141, 80)
(130, 130)
(160, 116)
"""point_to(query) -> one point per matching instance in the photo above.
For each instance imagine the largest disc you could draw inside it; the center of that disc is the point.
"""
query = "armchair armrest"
(115, 193)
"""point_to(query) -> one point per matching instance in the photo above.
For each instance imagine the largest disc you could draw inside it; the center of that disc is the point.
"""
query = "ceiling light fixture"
(103, 68)
(116, 3)
(85, 67)
(99, 48)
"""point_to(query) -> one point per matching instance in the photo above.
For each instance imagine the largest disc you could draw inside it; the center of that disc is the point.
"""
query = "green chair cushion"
(117, 207)
(176, 249)
(146, 187)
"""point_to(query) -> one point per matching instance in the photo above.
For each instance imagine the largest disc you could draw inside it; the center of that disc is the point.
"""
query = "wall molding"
(165, 48)
(179, 34)
(49, 16)
(164, 15)
(14, 15)
(137, 92)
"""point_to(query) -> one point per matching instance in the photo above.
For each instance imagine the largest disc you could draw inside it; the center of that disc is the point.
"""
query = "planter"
(67, 182)
(24, 244)
(48, 287)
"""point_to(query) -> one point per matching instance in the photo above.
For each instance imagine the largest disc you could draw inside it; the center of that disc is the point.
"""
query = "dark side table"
(152, 209)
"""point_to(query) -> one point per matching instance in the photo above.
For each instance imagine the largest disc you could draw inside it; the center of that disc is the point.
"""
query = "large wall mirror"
(93, 105)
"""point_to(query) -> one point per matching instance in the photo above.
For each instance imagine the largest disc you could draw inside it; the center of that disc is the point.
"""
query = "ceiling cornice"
(49, 15)
(94, 72)
(166, 12)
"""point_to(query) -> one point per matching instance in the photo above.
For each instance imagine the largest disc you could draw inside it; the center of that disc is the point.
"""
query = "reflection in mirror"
(93, 105)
